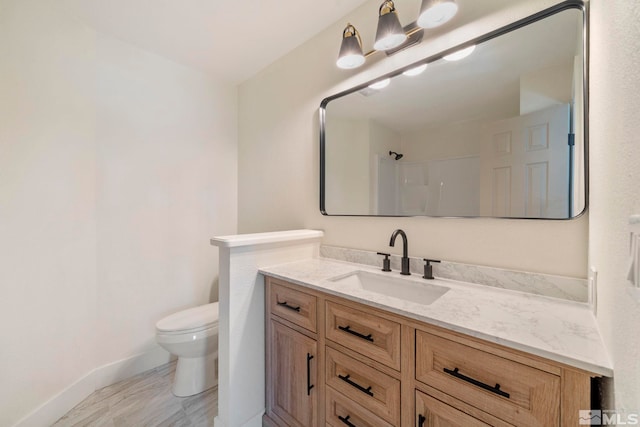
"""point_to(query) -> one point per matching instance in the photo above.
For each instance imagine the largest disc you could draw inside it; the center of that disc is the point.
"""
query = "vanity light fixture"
(391, 36)
(462, 53)
(381, 84)
(415, 71)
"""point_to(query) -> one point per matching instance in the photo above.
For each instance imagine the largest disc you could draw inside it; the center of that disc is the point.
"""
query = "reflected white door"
(525, 165)
(454, 189)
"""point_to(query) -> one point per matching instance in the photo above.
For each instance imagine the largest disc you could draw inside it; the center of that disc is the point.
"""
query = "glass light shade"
(390, 33)
(351, 55)
(381, 84)
(415, 71)
(463, 53)
(434, 13)
(348, 62)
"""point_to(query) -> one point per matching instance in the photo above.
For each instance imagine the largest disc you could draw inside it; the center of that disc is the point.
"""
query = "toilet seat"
(189, 321)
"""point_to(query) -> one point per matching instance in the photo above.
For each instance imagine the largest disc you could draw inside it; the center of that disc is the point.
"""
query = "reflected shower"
(398, 155)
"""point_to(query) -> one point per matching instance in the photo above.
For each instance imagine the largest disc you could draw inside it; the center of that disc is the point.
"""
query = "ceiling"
(230, 39)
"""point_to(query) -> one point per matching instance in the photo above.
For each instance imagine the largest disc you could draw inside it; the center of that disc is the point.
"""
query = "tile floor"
(143, 401)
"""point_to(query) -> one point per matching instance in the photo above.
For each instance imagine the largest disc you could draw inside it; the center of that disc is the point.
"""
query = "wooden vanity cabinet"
(334, 362)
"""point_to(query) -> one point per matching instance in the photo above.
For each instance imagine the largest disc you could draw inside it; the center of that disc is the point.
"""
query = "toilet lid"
(190, 320)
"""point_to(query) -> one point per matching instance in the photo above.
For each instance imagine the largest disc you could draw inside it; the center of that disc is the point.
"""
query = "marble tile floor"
(144, 401)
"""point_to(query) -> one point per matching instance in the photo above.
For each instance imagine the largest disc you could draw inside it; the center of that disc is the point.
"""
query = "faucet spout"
(405, 250)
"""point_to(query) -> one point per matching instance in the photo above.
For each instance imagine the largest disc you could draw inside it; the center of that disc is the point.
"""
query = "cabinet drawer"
(367, 386)
(431, 412)
(516, 393)
(368, 334)
(293, 305)
(342, 411)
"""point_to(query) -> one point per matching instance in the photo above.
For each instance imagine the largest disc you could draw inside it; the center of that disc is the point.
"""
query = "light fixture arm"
(414, 29)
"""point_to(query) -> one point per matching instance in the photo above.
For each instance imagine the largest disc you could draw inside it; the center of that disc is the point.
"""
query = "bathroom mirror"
(499, 133)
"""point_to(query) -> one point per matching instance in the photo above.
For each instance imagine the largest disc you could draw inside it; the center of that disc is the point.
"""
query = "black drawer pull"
(421, 420)
(356, 385)
(358, 334)
(290, 307)
(309, 385)
(346, 420)
(496, 389)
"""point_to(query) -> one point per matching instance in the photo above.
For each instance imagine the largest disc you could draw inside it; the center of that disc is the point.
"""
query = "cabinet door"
(294, 375)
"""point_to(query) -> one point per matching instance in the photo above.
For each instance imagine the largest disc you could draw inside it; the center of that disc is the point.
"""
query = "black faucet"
(405, 250)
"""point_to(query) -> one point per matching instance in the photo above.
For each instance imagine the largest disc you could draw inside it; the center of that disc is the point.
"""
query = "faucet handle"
(428, 268)
(386, 262)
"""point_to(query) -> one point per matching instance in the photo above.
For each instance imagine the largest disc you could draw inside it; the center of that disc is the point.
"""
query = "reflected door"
(525, 165)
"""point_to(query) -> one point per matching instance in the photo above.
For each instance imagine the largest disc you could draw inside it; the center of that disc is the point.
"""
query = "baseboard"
(103, 376)
(53, 409)
(127, 368)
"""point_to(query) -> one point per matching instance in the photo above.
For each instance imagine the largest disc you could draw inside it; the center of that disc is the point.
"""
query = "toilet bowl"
(192, 336)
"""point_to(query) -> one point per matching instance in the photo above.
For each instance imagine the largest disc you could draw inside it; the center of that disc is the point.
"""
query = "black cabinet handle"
(495, 389)
(352, 383)
(358, 334)
(346, 421)
(290, 307)
(421, 420)
(309, 385)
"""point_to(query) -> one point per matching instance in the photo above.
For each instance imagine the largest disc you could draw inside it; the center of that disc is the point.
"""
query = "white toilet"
(192, 335)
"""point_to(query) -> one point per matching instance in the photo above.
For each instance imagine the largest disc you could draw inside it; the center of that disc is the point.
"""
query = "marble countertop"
(559, 330)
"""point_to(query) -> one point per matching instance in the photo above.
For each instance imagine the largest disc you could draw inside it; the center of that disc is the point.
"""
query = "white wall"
(278, 120)
(348, 187)
(381, 140)
(47, 205)
(453, 140)
(116, 167)
(615, 183)
(547, 87)
(166, 139)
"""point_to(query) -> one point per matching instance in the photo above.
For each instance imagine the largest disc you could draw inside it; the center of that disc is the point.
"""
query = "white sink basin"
(408, 290)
